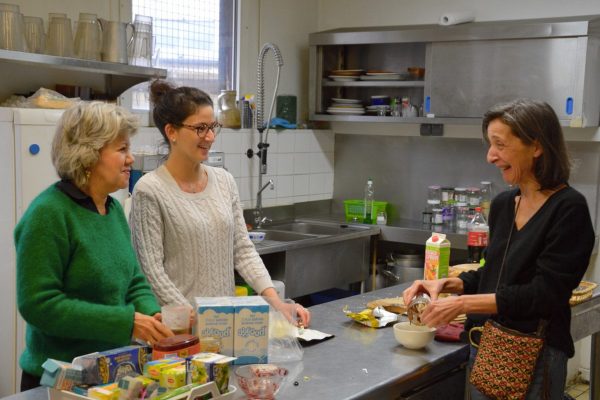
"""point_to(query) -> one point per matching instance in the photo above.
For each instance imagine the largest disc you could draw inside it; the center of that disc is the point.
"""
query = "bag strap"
(543, 322)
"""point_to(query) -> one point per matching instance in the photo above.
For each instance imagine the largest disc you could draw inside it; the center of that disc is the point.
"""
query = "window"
(193, 41)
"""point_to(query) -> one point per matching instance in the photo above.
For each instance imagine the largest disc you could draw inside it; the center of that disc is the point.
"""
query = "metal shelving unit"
(23, 72)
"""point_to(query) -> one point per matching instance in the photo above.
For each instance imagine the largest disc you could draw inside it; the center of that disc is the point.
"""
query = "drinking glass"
(34, 34)
(88, 37)
(60, 36)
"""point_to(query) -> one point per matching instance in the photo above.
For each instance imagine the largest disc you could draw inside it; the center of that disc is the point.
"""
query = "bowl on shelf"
(260, 381)
(413, 336)
(256, 237)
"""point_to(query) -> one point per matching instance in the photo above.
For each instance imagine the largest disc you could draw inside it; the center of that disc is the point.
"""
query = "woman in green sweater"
(79, 285)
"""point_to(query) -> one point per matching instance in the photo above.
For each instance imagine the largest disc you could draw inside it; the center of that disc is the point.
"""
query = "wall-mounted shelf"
(26, 72)
(386, 84)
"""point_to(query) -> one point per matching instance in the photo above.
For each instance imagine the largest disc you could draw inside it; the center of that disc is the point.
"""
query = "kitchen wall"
(300, 162)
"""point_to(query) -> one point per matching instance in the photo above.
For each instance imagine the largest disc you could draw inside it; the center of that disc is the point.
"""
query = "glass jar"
(447, 195)
(434, 192)
(228, 114)
(381, 218)
(473, 196)
(460, 195)
(427, 217)
(462, 216)
(437, 216)
(431, 204)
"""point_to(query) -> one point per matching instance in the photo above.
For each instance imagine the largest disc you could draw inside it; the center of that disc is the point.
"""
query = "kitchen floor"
(579, 391)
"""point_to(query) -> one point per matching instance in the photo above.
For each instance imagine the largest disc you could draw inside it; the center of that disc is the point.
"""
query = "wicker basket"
(582, 292)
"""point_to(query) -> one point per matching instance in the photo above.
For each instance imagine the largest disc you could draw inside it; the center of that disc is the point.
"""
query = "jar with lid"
(176, 346)
(460, 195)
(462, 216)
(434, 192)
(447, 194)
(437, 216)
(433, 203)
(228, 114)
(473, 196)
(486, 197)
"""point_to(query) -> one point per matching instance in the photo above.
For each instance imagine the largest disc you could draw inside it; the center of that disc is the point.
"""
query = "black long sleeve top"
(546, 260)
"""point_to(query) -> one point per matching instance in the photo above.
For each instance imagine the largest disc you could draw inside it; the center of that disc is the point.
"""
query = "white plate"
(382, 73)
(345, 112)
(374, 108)
(387, 77)
(343, 78)
(346, 101)
(345, 106)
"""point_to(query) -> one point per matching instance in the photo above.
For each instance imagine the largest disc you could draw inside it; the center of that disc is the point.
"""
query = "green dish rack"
(354, 210)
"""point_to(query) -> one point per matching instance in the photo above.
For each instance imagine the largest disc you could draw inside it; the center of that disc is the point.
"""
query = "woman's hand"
(293, 312)
(432, 287)
(442, 311)
(149, 328)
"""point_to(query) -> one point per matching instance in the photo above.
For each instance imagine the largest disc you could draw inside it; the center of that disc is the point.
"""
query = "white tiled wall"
(300, 162)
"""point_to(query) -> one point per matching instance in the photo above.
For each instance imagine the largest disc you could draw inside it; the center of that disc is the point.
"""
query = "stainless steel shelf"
(375, 83)
(24, 72)
(403, 120)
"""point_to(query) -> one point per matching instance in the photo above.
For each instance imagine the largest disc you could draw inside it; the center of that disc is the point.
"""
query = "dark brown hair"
(172, 105)
(535, 121)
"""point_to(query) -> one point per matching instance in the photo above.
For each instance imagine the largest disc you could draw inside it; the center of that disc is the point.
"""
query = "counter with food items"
(363, 362)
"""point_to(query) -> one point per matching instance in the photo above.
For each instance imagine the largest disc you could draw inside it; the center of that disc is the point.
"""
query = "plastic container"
(474, 196)
(176, 346)
(460, 195)
(486, 197)
(434, 192)
(354, 209)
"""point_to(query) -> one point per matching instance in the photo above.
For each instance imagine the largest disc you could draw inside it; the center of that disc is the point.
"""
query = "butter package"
(437, 256)
(104, 392)
(251, 330)
(61, 375)
(109, 366)
(152, 369)
(174, 377)
(206, 367)
(215, 316)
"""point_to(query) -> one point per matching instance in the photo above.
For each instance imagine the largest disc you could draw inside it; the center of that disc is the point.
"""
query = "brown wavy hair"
(535, 121)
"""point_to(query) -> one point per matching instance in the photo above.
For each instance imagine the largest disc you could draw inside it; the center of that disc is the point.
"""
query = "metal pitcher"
(115, 40)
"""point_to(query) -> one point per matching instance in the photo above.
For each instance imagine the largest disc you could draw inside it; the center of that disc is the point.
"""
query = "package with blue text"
(251, 330)
(215, 318)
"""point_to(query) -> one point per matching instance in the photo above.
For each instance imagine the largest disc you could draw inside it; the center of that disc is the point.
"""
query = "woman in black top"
(549, 250)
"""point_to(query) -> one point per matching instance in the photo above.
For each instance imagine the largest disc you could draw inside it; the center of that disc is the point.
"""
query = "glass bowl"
(260, 381)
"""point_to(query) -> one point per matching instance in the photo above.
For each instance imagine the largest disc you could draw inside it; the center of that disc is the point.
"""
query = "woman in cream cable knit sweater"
(186, 219)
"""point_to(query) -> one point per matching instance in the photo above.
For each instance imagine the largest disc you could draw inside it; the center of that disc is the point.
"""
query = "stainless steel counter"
(366, 363)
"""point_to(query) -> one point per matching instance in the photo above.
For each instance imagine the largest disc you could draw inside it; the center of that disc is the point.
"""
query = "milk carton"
(251, 330)
(215, 318)
(437, 256)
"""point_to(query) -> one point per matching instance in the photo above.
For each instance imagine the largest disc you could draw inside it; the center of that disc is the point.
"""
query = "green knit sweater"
(78, 280)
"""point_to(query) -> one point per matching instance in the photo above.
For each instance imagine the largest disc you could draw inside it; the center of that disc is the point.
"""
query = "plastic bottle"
(486, 197)
(477, 236)
(369, 199)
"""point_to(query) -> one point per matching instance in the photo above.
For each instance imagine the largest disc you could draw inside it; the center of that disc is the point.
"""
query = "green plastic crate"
(354, 210)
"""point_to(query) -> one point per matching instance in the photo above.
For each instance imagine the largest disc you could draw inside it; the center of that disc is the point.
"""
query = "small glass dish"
(256, 237)
(260, 381)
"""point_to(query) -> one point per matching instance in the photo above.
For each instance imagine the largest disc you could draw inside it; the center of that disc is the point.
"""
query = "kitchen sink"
(313, 228)
(284, 236)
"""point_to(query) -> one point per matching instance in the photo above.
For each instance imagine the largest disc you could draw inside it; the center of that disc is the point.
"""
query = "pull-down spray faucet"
(260, 123)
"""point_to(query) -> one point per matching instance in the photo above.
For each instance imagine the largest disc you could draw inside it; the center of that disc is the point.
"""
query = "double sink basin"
(299, 232)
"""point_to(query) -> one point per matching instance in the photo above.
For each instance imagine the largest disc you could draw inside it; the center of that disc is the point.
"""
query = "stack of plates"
(383, 76)
(346, 107)
(344, 75)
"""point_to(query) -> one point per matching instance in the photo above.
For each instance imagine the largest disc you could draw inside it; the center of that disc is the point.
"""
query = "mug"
(88, 37)
(11, 28)
(60, 36)
(34, 34)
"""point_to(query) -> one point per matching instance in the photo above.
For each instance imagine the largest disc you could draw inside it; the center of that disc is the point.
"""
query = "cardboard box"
(108, 366)
(251, 330)
(61, 375)
(215, 317)
(437, 256)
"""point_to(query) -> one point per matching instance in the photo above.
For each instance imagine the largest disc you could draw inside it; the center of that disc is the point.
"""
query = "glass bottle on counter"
(477, 236)
(486, 197)
(369, 199)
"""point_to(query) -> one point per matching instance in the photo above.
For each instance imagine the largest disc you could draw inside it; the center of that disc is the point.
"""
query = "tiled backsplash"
(300, 162)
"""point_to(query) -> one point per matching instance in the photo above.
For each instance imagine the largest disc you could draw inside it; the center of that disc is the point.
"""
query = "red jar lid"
(176, 342)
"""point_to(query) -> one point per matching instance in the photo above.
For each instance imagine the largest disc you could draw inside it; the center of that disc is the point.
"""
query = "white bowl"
(256, 237)
(413, 336)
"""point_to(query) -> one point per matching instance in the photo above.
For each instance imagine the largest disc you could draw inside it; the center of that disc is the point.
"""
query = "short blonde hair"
(82, 132)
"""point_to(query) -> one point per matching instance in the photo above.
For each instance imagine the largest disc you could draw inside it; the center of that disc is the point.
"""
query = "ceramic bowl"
(413, 336)
(256, 237)
(260, 381)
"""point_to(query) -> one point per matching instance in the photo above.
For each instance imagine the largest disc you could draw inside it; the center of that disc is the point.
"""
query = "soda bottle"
(477, 236)
(369, 199)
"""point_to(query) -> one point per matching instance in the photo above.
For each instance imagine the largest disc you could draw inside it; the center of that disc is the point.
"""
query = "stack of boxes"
(242, 323)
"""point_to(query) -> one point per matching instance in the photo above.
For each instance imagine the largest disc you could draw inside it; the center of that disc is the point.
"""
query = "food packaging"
(109, 366)
(176, 346)
(251, 330)
(215, 318)
(61, 375)
(437, 256)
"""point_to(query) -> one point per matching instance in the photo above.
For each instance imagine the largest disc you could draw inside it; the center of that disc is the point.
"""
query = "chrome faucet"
(259, 219)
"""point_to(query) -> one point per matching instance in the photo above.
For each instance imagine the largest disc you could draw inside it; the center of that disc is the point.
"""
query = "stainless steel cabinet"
(469, 67)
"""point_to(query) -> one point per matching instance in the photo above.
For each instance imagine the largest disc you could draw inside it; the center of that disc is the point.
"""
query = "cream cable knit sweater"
(189, 244)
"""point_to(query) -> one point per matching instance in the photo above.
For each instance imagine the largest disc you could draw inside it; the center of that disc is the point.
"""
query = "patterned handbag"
(505, 361)
(506, 358)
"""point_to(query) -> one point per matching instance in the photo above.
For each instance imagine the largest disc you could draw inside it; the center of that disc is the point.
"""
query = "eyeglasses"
(203, 128)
